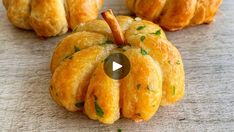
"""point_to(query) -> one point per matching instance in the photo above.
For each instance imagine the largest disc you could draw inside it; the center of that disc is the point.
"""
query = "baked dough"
(51, 17)
(79, 82)
(175, 14)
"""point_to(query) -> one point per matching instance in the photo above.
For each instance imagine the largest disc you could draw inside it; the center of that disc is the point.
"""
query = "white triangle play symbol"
(116, 66)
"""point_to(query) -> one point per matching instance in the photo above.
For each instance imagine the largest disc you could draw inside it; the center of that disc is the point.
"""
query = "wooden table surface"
(208, 53)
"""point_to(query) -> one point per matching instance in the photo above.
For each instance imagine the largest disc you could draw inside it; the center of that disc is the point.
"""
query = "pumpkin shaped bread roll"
(79, 81)
(51, 17)
(175, 14)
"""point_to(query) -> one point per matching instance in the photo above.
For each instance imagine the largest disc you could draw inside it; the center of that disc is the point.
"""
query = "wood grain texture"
(208, 53)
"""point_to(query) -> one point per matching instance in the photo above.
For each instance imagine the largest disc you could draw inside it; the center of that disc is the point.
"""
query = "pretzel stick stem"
(111, 20)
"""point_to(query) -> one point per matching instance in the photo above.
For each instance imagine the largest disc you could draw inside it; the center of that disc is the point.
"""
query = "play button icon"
(117, 66)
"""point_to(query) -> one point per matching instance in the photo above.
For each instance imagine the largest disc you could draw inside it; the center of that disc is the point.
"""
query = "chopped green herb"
(142, 38)
(106, 42)
(76, 49)
(138, 114)
(98, 109)
(121, 46)
(140, 27)
(109, 41)
(169, 62)
(95, 97)
(123, 50)
(119, 130)
(68, 57)
(74, 30)
(178, 62)
(158, 32)
(181, 119)
(143, 52)
(80, 104)
(138, 86)
(173, 90)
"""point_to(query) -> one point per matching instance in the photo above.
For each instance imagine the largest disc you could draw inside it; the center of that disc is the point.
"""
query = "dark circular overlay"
(120, 73)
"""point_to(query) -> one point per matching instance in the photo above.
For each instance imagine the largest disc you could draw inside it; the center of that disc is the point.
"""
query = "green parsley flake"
(142, 38)
(169, 62)
(143, 52)
(80, 104)
(140, 27)
(173, 90)
(138, 86)
(68, 57)
(99, 111)
(158, 32)
(74, 30)
(76, 49)
(178, 62)
(119, 130)
(109, 41)
(138, 114)
(106, 42)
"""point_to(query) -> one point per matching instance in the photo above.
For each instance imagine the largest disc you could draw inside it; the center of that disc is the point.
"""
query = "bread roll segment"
(71, 78)
(51, 17)
(170, 62)
(74, 43)
(141, 89)
(48, 17)
(18, 12)
(82, 11)
(6, 3)
(102, 98)
(174, 15)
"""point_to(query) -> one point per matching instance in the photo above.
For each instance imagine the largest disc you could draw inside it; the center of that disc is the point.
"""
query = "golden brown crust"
(71, 78)
(212, 10)
(47, 18)
(51, 17)
(104, 92)
(177, 14)
(205, 11)
(171, 63)
(165, 53)
(124, 22)
(19, 16)
(141, 89)
(6, 3)
(149, 28)
(174, 15)
(147, 11)
(156, 76)
(100, 27)
(200, 13)
(74, 43)
(86, 10)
